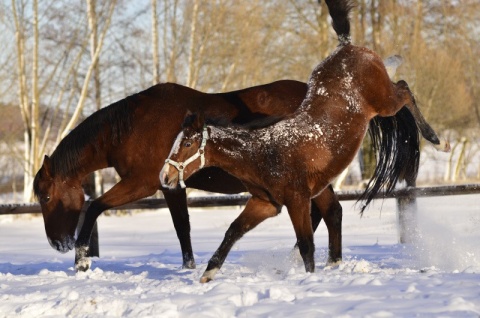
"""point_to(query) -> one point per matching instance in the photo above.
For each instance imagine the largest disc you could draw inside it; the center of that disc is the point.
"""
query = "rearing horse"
(292, 161)
(134, 136)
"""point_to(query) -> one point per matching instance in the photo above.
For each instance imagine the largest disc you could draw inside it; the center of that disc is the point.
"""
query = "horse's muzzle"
(165, 180)
(64, 245)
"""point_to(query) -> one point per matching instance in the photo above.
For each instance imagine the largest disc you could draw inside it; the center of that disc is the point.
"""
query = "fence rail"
(406, 206)
(232, 200)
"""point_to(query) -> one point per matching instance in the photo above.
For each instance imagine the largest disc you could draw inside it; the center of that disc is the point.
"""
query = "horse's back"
(274, 99)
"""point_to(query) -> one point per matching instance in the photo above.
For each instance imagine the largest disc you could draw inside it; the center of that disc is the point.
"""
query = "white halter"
(180, 166)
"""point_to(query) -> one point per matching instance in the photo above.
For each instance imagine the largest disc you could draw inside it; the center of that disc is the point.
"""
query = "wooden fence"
(232, 200)
(406, 203)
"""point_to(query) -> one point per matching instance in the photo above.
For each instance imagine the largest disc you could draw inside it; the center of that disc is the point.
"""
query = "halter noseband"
(200, 153)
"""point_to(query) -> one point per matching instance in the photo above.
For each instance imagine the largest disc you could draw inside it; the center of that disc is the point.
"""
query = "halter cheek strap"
(180, 166)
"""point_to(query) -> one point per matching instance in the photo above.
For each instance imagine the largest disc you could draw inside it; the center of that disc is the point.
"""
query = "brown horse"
(134, 136)
(292, 161)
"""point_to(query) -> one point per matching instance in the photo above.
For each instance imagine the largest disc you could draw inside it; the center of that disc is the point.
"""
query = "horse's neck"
(94, 163)
(78, 165)
(230, 146)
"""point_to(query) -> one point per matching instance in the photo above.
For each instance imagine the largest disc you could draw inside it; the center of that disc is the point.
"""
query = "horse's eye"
(188, 144)
(45, 199)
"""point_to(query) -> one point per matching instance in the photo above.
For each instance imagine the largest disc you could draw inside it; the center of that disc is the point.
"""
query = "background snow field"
(139, 273)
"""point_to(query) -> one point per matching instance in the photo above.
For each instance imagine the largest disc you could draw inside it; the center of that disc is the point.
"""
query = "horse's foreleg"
(316, 216)
(299, 212)
(328, 201)
(256, 210)
(127, 190)
(93, 247)
(82, 244)
(177, 204)
(331, 211)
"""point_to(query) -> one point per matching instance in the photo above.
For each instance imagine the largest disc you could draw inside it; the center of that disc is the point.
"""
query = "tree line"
(62, 60)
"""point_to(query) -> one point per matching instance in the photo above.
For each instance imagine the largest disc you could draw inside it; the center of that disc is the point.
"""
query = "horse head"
(61, 201)
(187, 155)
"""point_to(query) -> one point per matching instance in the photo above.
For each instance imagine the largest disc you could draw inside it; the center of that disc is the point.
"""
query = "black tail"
(339, 10)
(396, 142)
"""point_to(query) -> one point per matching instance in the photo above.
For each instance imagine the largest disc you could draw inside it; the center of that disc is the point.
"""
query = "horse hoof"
(332, 263)
(208, 275)
(204, 280)
(443, 146)
(83, 264)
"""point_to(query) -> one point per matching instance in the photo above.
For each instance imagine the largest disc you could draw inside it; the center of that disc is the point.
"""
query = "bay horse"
(134, 136)
(292, 161)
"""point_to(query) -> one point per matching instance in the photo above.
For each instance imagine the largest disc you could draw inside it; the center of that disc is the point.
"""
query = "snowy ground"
(139, 273)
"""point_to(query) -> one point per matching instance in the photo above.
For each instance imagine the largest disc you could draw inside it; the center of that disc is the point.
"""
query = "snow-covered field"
(139, 273)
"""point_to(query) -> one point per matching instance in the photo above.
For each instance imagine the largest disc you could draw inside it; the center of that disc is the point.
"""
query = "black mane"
(106, 126)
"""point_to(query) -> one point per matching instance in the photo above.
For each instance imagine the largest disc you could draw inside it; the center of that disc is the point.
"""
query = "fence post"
(407, 215)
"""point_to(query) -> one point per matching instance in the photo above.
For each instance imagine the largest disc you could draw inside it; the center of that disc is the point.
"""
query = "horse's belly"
(214, 179)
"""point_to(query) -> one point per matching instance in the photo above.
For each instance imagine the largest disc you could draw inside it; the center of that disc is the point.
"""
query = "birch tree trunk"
(171, 52)
(29, 113)
(93, 26)
(34, 163)
(191, 64)
(460, 165)
(155, 57)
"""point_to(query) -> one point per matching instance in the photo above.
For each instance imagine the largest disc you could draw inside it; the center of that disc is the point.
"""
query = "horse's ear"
(200, 120)
(188, 113)
(189, 120)
(193, 120)
(47, 166)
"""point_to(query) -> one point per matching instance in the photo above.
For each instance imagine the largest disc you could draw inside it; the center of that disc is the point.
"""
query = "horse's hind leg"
(256, 211)
(426, 130)
(331, 211)
(177, 203)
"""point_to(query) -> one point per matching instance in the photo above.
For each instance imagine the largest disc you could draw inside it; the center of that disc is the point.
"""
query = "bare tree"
(155, 57)
(30, 102)
(81, 102)
(29, 114)
(218, 46)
